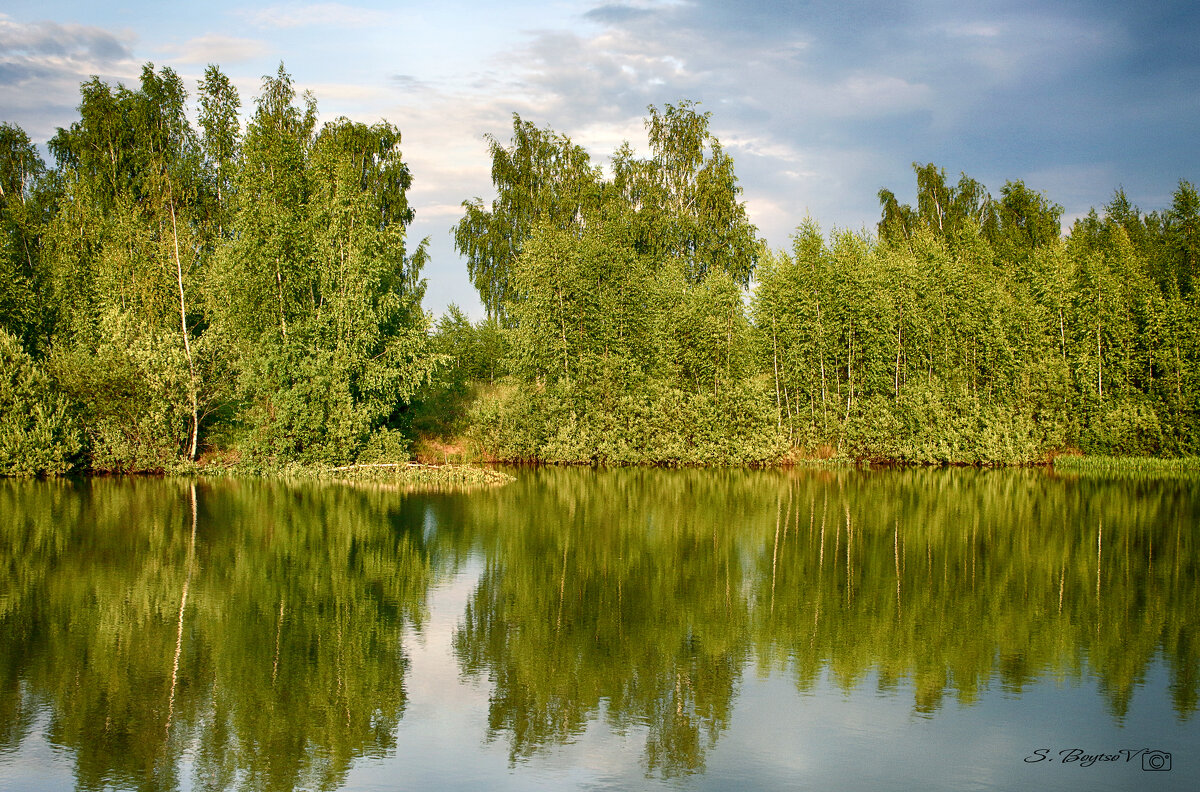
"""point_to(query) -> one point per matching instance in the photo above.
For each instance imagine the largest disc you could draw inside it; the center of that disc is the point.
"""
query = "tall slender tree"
(540, 177)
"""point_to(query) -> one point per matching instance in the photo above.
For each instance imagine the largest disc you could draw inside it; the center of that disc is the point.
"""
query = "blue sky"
(820, 103)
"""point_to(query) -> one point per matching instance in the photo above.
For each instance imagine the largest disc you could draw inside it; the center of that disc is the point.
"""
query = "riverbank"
(475, 467)
(1111, 464)
(419, 475)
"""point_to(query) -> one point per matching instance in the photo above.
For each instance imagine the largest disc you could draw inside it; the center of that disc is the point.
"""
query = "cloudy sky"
(820, 103)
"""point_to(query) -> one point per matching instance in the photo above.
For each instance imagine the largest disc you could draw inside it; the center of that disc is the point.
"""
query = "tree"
(684, 199)
(265, 266)
(23, 298)
(38, 435)
(681, 203)
(580, 306)
(320, 296)
(367, 291)
(127, 258)
(1183, 237)
(947, 211)
(220, 140)
(1028, 220)
(541, 177)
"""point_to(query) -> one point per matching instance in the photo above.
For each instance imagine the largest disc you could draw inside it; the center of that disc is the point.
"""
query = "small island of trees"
(174, 297)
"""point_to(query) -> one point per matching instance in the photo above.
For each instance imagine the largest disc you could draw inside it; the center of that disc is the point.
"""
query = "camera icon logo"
(1156, 760)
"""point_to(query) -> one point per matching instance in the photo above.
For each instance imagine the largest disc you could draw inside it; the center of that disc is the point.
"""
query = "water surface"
(615, 629)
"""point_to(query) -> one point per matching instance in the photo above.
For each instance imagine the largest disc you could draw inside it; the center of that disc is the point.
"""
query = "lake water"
(623, 629)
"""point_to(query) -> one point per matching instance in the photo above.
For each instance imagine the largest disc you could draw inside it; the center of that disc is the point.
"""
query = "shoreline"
(487, 472)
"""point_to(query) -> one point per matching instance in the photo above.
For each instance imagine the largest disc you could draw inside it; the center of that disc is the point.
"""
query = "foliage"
(470, 357)
(131, 397)
(680, 205)
(23, 204)
(541, 177)
(38, 433)
(683, 200)
(251, 289)
(252, 293)
(971, 333)
(329, 336)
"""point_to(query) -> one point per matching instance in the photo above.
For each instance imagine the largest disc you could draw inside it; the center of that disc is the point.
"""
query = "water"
(622, 629)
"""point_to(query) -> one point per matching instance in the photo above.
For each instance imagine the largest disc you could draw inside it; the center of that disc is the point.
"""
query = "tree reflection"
(267, 642)
(256, 642)
(639, 595)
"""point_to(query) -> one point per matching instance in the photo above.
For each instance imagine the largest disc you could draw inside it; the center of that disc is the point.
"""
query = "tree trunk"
(775, 353)
(187, 343)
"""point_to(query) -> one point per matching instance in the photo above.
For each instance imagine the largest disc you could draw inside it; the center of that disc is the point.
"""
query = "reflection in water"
(249, 634)
(642, 594)
(267, 643)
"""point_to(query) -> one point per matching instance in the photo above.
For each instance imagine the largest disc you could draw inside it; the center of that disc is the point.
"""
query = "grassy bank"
(1127, 464)
(404, 475)
(420, 475)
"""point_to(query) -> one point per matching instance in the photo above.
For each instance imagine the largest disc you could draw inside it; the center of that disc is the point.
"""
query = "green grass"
(402, 475)
(416, 474)
(1107, 464)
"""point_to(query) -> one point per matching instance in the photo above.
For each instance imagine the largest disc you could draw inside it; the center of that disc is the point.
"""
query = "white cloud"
(42, 65)
(877, 94)
(604, 138)
(440, 211)
(759, 145)
(345, 96)
(54, 41)
(973, 29)
(316, 14)
(216, 48)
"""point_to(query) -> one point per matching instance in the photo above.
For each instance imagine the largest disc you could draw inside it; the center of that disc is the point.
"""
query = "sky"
(820, 103)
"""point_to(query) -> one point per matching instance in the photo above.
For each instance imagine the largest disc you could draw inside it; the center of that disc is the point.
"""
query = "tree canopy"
(171, 292)
(222, 290)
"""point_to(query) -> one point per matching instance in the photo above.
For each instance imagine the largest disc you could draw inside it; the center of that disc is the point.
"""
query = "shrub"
(38, 434)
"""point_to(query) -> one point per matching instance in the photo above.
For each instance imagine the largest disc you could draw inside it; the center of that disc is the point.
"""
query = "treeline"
(166, 290)
(171, 292)
(616, 304)
(971, 331)
(968, 330)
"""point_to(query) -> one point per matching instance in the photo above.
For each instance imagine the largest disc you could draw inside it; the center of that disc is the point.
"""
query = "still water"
(623, 629)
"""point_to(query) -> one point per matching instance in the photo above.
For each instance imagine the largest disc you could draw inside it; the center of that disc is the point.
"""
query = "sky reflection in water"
(613, 629)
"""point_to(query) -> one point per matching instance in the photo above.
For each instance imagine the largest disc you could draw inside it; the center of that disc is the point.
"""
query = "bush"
(932, 426)
(131, 395)
(1126, 427)
(650, 423)
(38, 435)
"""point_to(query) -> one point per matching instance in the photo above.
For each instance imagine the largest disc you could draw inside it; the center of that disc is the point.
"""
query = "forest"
(177, 296)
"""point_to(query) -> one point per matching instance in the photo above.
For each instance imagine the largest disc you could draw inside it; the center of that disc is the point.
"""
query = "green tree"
(220, 142)
(684, 198)
(38, 433)
(579, 307)
(319, 297)
(541, 177)
(23, 298)
(127, 253)
(264, 268)
(1027, 221)
(947, 211)
(1183, 237)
